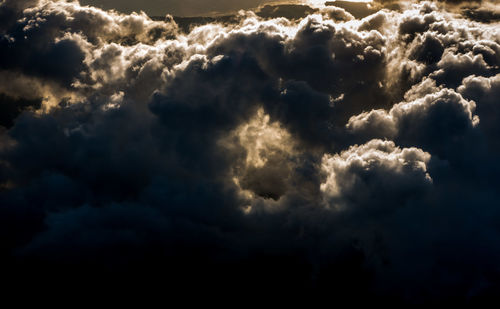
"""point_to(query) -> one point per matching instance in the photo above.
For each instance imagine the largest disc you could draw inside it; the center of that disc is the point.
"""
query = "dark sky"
(177, 7)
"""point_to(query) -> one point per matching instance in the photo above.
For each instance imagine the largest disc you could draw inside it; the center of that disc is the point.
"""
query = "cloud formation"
(330, 155)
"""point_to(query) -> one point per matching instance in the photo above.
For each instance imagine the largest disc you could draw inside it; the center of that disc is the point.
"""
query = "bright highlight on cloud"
(343, 153)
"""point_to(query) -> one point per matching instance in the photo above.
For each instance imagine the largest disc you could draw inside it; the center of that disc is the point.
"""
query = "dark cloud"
(484, 12)
(11, 108)
(290, 11)
(484, 92)
(313, 154)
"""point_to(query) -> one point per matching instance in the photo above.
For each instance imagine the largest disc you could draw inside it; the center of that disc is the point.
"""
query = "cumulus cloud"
(484, 91)
(433, 121)
(372, 174)
(335, 151)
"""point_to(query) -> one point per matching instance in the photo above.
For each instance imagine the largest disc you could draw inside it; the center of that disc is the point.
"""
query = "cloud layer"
(328, 155)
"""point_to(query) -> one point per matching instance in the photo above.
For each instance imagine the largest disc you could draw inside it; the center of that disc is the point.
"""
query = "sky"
(344, 154)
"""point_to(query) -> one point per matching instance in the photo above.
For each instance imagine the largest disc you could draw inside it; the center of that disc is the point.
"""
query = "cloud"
(487, 12)
(435, 121)
(11, 108)
(357, 9)
(484, 90)
(372, 174)
(310, 154)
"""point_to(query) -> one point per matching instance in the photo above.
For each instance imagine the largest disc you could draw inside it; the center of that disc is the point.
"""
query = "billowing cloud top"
(314, 152)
